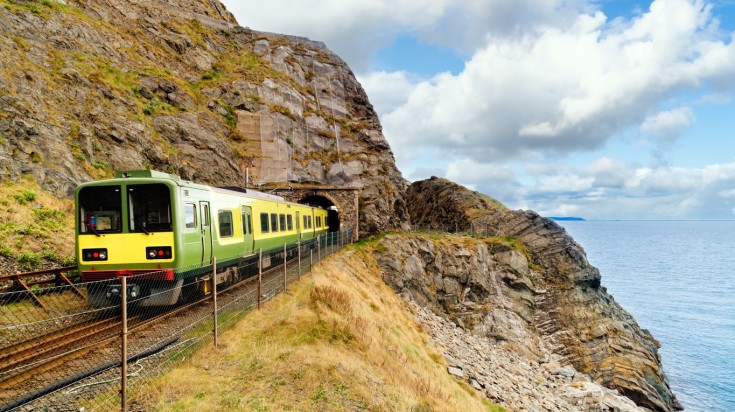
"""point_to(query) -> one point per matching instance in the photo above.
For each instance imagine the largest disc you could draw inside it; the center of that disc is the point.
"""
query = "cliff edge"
(549, 301)
(91, 87)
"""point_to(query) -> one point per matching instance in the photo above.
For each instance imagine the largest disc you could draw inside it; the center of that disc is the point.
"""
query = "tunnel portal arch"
(329, 206)
(341, 204)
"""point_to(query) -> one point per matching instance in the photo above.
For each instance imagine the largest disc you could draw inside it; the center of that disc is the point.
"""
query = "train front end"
(126, 227)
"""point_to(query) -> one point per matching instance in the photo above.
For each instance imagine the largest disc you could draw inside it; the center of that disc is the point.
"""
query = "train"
(163, 232)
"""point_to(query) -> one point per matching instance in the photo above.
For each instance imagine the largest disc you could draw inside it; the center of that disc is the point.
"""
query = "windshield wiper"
(91, 227)
(144, 230)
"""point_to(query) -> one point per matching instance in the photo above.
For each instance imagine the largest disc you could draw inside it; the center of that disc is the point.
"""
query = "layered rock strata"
(547, 294)
(520, 383)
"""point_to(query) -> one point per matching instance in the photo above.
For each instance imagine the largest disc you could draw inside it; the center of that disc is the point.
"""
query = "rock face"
(91, 87)
(521, 383)
(528, 286)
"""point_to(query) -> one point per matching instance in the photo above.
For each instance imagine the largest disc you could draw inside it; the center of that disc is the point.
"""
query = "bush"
(28, 261)
(69, 261)
(24, 197)
(6, 252)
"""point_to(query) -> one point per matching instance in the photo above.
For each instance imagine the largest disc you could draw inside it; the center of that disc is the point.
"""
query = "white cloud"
(546, 78)
(565, 89)
(387, 90)
(495, 179)
(667, 126)
(354, 29)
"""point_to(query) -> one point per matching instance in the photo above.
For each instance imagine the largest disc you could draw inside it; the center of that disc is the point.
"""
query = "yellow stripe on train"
(124, 248)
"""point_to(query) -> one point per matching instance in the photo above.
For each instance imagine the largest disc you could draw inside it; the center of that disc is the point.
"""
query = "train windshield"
(100, 210)
(149, 208)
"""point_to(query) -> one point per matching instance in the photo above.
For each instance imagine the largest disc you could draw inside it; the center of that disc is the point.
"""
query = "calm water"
(678, 279)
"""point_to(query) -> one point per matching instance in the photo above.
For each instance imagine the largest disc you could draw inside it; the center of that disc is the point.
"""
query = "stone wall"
(345, 199)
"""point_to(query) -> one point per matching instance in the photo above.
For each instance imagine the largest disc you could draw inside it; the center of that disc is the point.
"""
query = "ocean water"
(677, 278)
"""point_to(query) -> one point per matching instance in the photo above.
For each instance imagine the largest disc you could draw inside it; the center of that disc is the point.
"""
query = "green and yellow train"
(163, 232)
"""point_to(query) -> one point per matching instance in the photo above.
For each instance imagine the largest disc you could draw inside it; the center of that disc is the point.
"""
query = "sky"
(601, 109)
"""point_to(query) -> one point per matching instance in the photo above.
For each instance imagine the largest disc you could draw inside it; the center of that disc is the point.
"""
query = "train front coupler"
(113, 293)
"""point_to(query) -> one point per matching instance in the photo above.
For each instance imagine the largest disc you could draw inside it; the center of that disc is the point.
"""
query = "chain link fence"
(65, 355)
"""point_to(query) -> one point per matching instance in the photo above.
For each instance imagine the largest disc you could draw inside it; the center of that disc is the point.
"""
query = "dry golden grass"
(340, 340)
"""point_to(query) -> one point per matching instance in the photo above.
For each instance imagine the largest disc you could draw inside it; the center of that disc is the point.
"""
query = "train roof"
(155, 174)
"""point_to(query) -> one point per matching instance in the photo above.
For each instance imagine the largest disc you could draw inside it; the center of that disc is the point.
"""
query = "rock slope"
(91, 87)
(529, 285)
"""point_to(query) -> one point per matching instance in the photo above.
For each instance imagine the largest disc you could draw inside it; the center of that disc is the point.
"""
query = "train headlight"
(94, 254)
(159, 252)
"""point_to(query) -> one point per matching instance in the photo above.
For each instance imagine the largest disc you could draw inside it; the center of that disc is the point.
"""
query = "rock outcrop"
(519, 382)
(527, 285)
(91, 87)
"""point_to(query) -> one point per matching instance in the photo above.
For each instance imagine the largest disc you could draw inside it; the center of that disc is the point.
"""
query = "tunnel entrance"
(323, 202)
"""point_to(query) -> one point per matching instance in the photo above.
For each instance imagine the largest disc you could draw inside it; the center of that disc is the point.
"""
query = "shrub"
(50, 255)
(28, 261)
(24, 197)
(100, 165)
(6, 252)
(69, 261)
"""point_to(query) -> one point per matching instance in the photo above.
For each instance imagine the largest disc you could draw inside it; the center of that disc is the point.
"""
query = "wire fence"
(67, 355)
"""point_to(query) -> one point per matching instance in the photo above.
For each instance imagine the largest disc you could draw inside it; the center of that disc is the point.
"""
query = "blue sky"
(595, 108)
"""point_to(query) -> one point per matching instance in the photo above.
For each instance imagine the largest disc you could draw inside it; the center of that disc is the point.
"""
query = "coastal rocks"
(559, 301)
(512, 380)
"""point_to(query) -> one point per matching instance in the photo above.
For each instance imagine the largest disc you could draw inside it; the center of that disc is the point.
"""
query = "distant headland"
(566, 218)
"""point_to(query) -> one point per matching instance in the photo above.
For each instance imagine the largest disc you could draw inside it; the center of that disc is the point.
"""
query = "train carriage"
(164, 231)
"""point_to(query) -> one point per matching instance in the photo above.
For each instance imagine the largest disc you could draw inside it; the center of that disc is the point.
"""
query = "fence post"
(124, 348)
(214, 298)
(260, 274)
(311, 259)
(318, 248)
(285, 267)
(298, 272)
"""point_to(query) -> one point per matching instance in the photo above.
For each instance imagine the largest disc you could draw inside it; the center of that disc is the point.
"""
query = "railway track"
(42, 364)
(44, 360)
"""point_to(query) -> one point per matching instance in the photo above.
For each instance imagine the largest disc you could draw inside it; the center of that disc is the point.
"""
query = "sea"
(677, 278)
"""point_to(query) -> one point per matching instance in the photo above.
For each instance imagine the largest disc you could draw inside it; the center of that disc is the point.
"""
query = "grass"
(340, 340)
(35, 226)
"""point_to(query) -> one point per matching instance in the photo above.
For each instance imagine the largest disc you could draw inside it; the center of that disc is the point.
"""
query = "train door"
(247, 228)
(206, 232)
(298, 225)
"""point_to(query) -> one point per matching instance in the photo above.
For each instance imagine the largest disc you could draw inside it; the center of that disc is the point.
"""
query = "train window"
(205, 215)
(274, 222)
(309, 222)
(190, 215)
(149, 208)
(100, 210)
(264, 222)
(289, 222)
(282, 222)
(306, 226)
(245, 224)
(225, 223)
(318, 221)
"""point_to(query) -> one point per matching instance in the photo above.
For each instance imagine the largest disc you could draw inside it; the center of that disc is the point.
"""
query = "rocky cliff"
(91, 87)
(526, 284)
